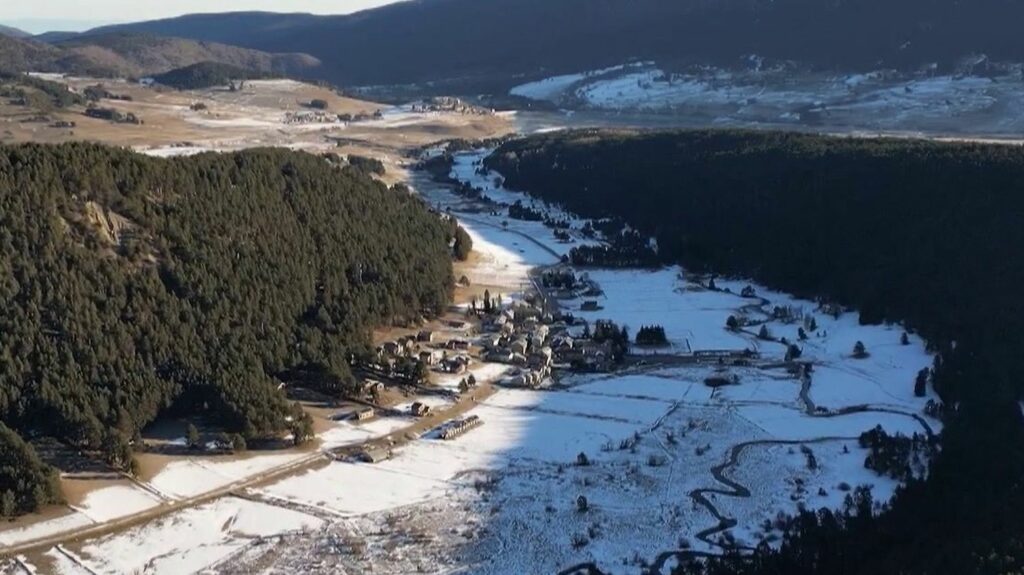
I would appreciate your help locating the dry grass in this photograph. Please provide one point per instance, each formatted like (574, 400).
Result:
(250, 117)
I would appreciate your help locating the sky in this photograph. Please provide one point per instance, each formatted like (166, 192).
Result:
(39, 16)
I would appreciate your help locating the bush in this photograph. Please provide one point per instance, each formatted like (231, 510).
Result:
(367, 165)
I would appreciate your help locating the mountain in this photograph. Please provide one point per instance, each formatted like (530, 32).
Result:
(236, 28)
(56, 36)
(490, 41)
(146, 54)
(20, 55)
(13, 32)
(124, 54)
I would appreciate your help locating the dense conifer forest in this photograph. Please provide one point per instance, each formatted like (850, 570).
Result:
(131, 287)
(924, 233)
(207, 75)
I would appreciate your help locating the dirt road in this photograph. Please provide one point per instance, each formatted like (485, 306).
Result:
(395, 439)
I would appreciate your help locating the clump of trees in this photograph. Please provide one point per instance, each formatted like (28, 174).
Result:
(652, 335)
(204, 75)
(921, 382)
(463, 245)
(617, 337)
(559, 278)
(896, 456)
(367, 165)
(37, 92)
(625, 249)
(26, 483)
(518, 211)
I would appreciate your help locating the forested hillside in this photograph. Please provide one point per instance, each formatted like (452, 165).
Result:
(206, 75)
(926, 233)
(137, 55)
(130, 286)
(490, 44)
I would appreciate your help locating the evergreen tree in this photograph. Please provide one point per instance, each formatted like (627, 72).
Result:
(921, 383)
(192, 439)
(859, 351)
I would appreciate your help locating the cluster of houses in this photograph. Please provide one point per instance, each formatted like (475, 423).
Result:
(450, 104)
(452, 357)
(310, 117)
(526, 337)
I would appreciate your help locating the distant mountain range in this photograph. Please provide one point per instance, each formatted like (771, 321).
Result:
(489, 45)
(493, 41)
(124, 54)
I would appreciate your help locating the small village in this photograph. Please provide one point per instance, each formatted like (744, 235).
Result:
(529, 337)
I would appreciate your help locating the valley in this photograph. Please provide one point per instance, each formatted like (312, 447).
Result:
(704, 468)
(691, 325)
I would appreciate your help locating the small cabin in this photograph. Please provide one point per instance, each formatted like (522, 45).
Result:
(457, 345)
(518, 347)
(371, 387)
(365, 413)
(374, 455)
(430, 358)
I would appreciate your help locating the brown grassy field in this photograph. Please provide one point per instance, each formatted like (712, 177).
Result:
(250, 117)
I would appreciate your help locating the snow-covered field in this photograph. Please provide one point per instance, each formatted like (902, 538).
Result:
(189, 541)
(880, 100)
(692, 321)
(182, 479)
(115, 502)
(553, 87)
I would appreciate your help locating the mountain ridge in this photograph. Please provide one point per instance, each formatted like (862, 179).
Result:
(422, 41)
(13, 32)
(136, 55)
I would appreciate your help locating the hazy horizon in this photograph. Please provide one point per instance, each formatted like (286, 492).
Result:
(76, 16)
